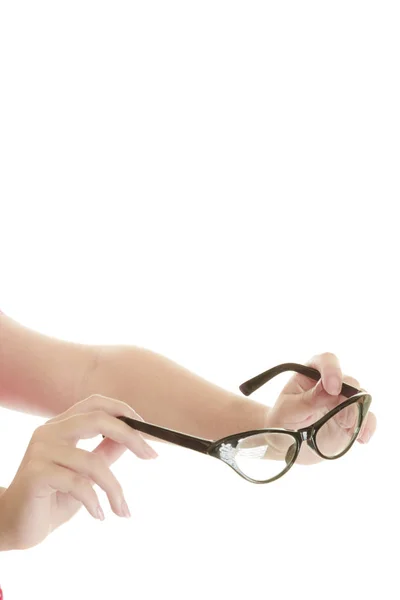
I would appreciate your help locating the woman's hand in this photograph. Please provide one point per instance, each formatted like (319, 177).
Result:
(55, 478)
(303, 401)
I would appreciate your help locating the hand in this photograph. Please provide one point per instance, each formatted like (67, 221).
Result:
(303, 401)
(55, 478)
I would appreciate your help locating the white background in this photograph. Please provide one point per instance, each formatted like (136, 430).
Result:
(219, 182)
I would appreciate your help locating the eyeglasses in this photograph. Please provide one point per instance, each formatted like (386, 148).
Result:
(264, 455)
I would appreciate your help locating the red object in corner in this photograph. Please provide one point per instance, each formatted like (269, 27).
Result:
(1, 594)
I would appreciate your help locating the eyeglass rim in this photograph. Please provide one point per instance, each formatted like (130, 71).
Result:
(297, 433)
(214, 450)
(362, 398)
(204, 445)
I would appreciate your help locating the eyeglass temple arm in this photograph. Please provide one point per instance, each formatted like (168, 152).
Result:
(169, 435)
(253, 384)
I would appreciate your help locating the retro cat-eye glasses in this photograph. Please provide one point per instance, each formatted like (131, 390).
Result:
(264, 455)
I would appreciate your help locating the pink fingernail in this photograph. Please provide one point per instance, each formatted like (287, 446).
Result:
(334, 385)
(100, 513)
(151, 452)
(367, 436)
(125, 509)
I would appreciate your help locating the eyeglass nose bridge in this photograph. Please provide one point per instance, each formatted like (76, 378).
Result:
(307, 435)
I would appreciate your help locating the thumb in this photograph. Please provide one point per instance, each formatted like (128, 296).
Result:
(299, 410)
(317, 397)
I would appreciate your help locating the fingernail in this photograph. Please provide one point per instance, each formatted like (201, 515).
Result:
(366, 436)
(100, 513)
(150, 451)
(125, 509)
(334, 385)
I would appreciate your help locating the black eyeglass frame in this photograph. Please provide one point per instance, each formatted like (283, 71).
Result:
(221, 448)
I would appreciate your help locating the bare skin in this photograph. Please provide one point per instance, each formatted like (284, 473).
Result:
(84, 387)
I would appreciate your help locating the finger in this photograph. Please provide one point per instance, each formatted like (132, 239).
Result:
(348, 417)
(331, 373)
(97, 403)
(91, 465)
(299, 409)
(88, 425)
(352, 381)
(317, 397)
(368, 428)
(109, 450)
(44, 478)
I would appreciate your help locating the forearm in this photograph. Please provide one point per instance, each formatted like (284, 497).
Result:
(40, 374)
(44, 376)
(167, 394)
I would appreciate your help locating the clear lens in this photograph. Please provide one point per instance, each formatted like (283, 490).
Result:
(265, 455)
(337, 434)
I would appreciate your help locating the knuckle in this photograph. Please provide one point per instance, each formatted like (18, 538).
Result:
(96, 398)
(131, 412)
(352, 381)
(125, 408)
(93, 397)
(80, 483)
(39, 431)
(97, 417)
(37, 448)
